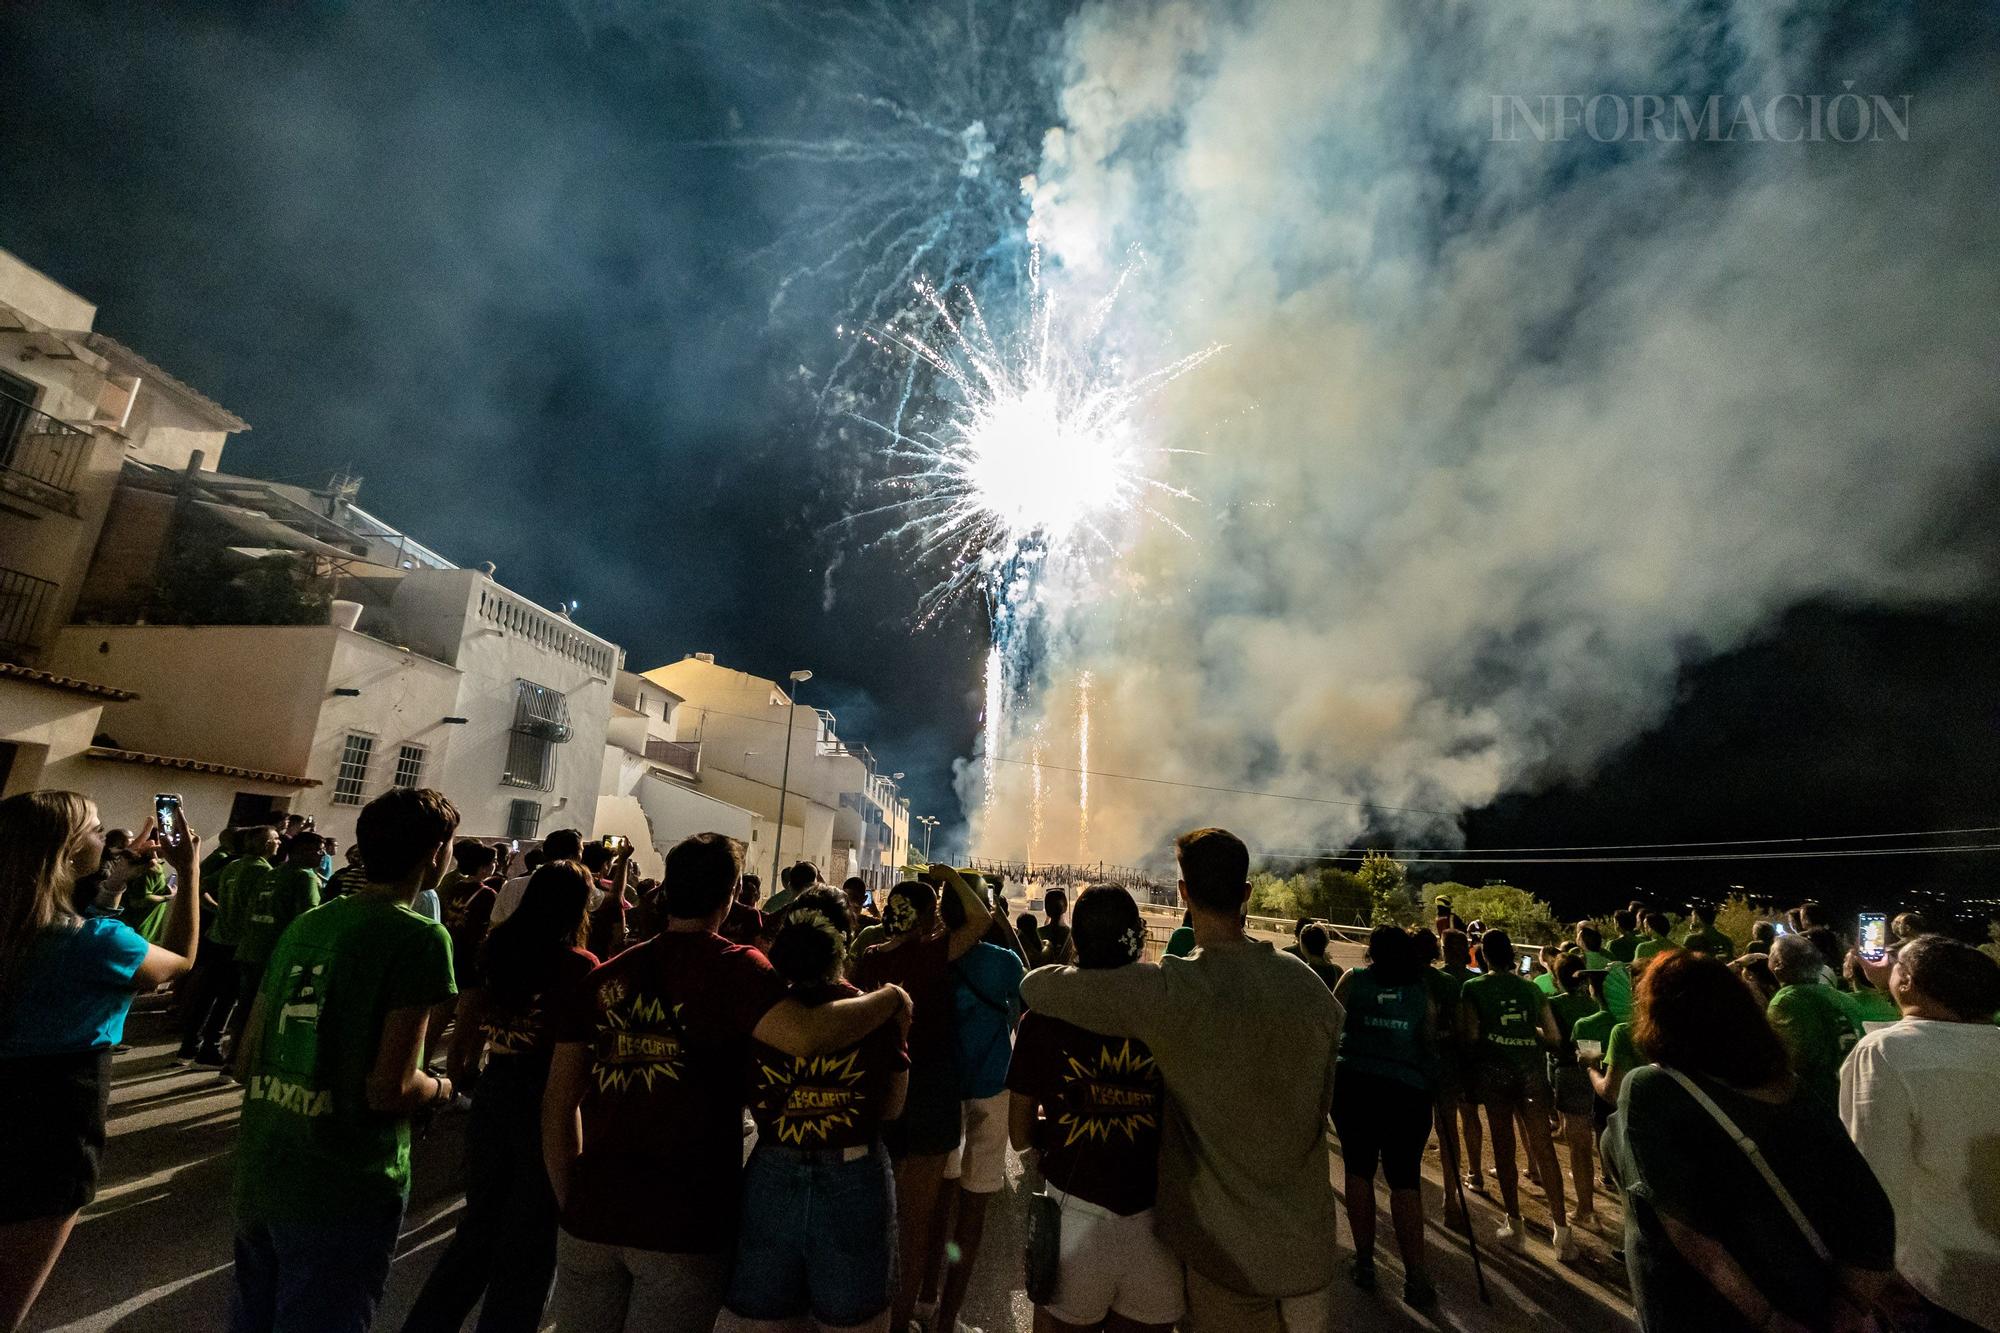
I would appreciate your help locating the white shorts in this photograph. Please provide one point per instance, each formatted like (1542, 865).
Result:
(979, 1162)
(1112, 1264)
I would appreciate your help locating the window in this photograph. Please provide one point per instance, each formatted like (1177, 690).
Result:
(409, 766)
(541, 722)
(523, 818)
(352, 779)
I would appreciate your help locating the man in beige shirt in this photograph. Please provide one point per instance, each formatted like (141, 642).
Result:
(1245, 1037)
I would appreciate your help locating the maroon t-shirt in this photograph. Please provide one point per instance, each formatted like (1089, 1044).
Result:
(825, 1101)
(1101, 1099)
(468, 911)
(923, 968)
(744, 924)
(519, 1025)
(668, 1024)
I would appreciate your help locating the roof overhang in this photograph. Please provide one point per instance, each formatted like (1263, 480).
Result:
(70, 684)
(118, 756)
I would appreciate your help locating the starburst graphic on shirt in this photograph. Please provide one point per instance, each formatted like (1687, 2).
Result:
(638, 1042)
(1117, 1093)
(812, 1095)
(518, 1031)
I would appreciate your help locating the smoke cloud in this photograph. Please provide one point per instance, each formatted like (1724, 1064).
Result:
(1507, 433)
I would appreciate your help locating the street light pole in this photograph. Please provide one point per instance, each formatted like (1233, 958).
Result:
(798, 678)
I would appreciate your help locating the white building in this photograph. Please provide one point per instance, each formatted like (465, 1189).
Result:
(164, 625)
(654, 791)
(76, 409)
(838, 811)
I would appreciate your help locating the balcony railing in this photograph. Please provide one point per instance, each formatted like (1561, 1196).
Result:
(37, 446)
(684, 755)
(23, 597)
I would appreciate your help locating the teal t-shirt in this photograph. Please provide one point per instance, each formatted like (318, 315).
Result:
(1181, 943)
(1387, 1030)
(71, 989)
(1509, 1009)
(309, 1148)
(1820, 1026)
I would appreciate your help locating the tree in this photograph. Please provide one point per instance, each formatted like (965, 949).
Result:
(1387, 880)
(1525, 918)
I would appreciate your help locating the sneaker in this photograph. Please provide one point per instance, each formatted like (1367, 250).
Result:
(1477, 1184)
(1513, 1233)
(1363, 1272)
(1418, 1293)
(1565, 1243)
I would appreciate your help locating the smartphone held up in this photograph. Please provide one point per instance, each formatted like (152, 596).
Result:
(169, 827)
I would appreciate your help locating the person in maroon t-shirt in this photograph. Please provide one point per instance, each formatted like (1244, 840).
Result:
(641, 1124)
(745, 924)
(918, 957)
(818, 1236)
(504, 1250)
(1088, 1108)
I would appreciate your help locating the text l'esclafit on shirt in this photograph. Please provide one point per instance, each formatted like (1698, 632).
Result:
(831, 1101)
(668, 1026)
(1100, 1138)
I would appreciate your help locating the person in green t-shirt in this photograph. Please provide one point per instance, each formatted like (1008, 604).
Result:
(1576, 1101)
(331, 1072)
(1591, 941)
(1507, 1026)
(1820, 1025)
(1545, 977)
(1657, 938)
(1705, 938)
(1621, 946)
(1181, 943)
(270, 901)
(215, 991)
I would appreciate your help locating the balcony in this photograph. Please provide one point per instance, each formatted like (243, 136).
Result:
(40, 456)
(22, 600)
(681, 756)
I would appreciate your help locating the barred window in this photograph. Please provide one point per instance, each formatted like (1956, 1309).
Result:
(541, 723)
(351, 781)
(524, 818)
(410, 766)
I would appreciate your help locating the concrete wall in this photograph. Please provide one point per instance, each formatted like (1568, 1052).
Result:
(41, 298)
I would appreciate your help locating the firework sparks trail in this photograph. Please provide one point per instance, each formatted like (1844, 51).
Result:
(993, 721)
(1039, 453)
(1083, 767)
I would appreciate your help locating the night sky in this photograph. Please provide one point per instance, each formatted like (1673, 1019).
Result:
(495, 263)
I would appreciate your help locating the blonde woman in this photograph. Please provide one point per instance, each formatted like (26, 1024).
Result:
(66, 983)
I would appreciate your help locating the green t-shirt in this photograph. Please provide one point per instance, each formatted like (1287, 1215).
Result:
(1594, 1027)
(1571, 1008)
(233, 891)
(1650, 946)
(1875, 1007)
(1545, 982)
(281, 895)
(1621, 1051)
(1710, 941)
(1509, 1009)
(1820, 1026)
(1181, 943)
(1620, 947)
(308, 1148)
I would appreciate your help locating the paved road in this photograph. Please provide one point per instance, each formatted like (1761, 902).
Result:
(153, 1252)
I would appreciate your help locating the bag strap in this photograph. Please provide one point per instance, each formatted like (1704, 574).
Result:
(1750, 1150)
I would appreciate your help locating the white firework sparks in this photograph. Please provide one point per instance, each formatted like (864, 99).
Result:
(1040, 451)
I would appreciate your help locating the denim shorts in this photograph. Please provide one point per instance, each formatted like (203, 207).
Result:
(818, 1236)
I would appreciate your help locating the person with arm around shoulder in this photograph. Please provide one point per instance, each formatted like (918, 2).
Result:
(1246, 1196)
(66, 985)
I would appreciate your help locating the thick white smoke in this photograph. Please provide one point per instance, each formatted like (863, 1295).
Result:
(1507, 432)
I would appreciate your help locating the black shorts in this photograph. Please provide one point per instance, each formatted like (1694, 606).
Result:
(1381, 1119)
(52, 1114)
(931, 1121)
(1511, 1086)
(1574, 1095)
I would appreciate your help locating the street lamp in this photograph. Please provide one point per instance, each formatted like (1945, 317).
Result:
(928, 824)
(798, 678)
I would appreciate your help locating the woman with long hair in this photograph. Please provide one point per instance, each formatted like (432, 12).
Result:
(816, 1246)
(1029, 932)
(66, 984)
(1747, 1206)
(505, 1246)
(1384, 1088)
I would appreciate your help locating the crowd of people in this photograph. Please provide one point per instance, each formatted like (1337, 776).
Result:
(690, 1106)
